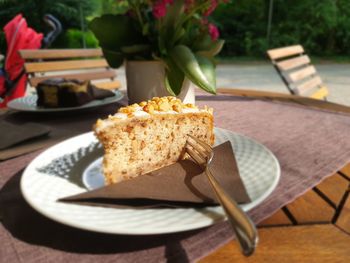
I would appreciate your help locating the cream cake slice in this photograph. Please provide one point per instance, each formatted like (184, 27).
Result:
(143, 137)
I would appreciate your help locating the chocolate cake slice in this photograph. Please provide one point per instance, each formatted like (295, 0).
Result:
(59, 92)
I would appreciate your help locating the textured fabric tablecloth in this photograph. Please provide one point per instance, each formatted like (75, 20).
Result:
(309, 144)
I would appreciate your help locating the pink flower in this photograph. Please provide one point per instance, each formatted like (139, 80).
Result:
(213, 5)
(213, 31)
(159, 8)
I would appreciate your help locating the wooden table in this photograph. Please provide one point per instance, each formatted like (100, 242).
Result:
(313, 228)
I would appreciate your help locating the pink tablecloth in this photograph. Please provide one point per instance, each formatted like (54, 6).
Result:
(309, 144)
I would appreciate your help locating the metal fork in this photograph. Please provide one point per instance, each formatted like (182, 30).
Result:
(242, 225)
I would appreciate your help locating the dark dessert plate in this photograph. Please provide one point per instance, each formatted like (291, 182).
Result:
(28, 104)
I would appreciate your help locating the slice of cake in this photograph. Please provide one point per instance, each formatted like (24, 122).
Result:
(147, 136)
(59, 92)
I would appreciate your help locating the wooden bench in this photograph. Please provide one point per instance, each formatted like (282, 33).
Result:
(297, 72)
(81, 64)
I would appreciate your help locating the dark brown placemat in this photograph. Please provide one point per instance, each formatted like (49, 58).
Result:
(63, 125)
(310, 145)
(15, 134)
(55, 136)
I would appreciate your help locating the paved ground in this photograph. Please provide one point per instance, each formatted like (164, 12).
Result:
(262, 76)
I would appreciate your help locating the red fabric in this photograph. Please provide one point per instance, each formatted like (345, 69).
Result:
(18, 36)
(17, 93)
(2, 84)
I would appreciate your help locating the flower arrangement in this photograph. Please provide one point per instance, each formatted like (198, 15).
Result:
(177, 32)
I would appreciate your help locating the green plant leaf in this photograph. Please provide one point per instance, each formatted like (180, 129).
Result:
(203, 42)
(208, 68)
(213, 49)
(114, 59)
(134, 48)
(118, 38)
(145, 29)
(180, 32)
(187, 62)
(171, 29)
(173, 14)
(174, 78)
(191, 33)
(115, 31)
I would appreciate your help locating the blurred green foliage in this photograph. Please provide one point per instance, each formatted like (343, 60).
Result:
(322, 27)
(74, 38)
(67, 11)
(112, 6)
(71, 13)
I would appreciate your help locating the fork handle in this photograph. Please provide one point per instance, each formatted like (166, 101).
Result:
(242, 225)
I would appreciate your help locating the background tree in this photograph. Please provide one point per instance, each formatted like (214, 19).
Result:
(322, 27)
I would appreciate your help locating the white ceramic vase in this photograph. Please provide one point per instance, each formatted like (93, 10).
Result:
(145, 80)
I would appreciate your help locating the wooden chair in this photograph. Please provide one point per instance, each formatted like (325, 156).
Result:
(81, 64)
(296, 71)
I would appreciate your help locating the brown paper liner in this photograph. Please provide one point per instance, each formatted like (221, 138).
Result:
(182, 184)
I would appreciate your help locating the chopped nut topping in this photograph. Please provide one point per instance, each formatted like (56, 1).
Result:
(190, 105)
(135, 105)
(177, 107)
(149, 108)
(99, 122)
(127, 110)
(113, 118)
(162, 104)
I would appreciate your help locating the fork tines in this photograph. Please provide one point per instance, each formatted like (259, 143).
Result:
(200, 151)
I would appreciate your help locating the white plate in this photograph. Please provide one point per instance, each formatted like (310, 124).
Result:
(28, 103)
(50, 176)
